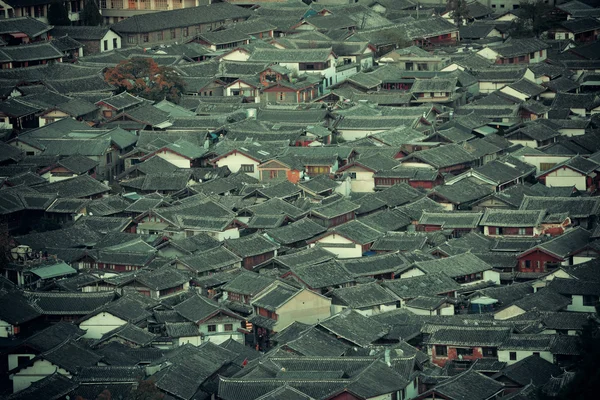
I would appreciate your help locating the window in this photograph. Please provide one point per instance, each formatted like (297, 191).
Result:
(102, 4)
(521, 58)
(186, 31)
(546, 166)
(489, 352)
(461, 351)
(522, 231)
(590, 300)
(247, 168)
(512, 355)
(526, 264)
(281, 96)
(117, 4)
(352, 175)
(173, 34)
(161, 4)
(115, 43)
(228, 327)
(441, 351)
(160, 36)
(22, 360)
(145, 38)
(131, 39)
(536, 353)
(107, 113)
(212, 328)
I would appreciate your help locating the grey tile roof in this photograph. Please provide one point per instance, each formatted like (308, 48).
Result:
(564, 245)
(334, 209)
(303, 229)
(455, 266)
(374, 265)
(71, 355)
(30, 52)
(451, 220)
(313, 342)
(275, 297)
(213, 259)
(534, 342)
(248, 283)
(512, 218)
(198, 308)
(385, 221)
(363, 296)
(15, 308)
(570, 287)
(470, 385)
(462, 192)
(290, 56)
(180, 18)
(310, 256)
(399, 241)
(543, 300)
(249, 246)
(467, 335)
(130, 333)
(78, 187)
(54, 386)
(68, 303)
(322, 275)
(355, 328)
(442, 156)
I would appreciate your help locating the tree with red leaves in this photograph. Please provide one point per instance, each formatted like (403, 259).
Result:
(145, 78)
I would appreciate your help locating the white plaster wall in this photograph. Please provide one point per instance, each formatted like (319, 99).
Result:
(110, 35)
(99, 324)
(491, 276)
(508, 312)
(572, 132)
(39, 370)
(538, 160)
(306, 307)
(351, 134)
(565, 177)
(526, 143)
(193, 340)
(5, 329)
(341, 252)
(411, 273)
(580, 260)
(175, 159)
(236, 55)
(234, 163)
(504, 355)
(223, 337)
(577, 305)
(512, 92)
(364, 181)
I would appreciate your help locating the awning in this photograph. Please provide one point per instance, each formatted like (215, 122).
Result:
(53, 271)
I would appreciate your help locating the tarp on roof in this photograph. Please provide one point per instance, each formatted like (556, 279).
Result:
(53, 271)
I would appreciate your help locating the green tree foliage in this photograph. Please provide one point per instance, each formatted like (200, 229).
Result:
(91, 14)
(535, 18)
(58, 14)
(460, 11)
(147, 390)
(105, 395)
(144, 77)
(586, 383)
